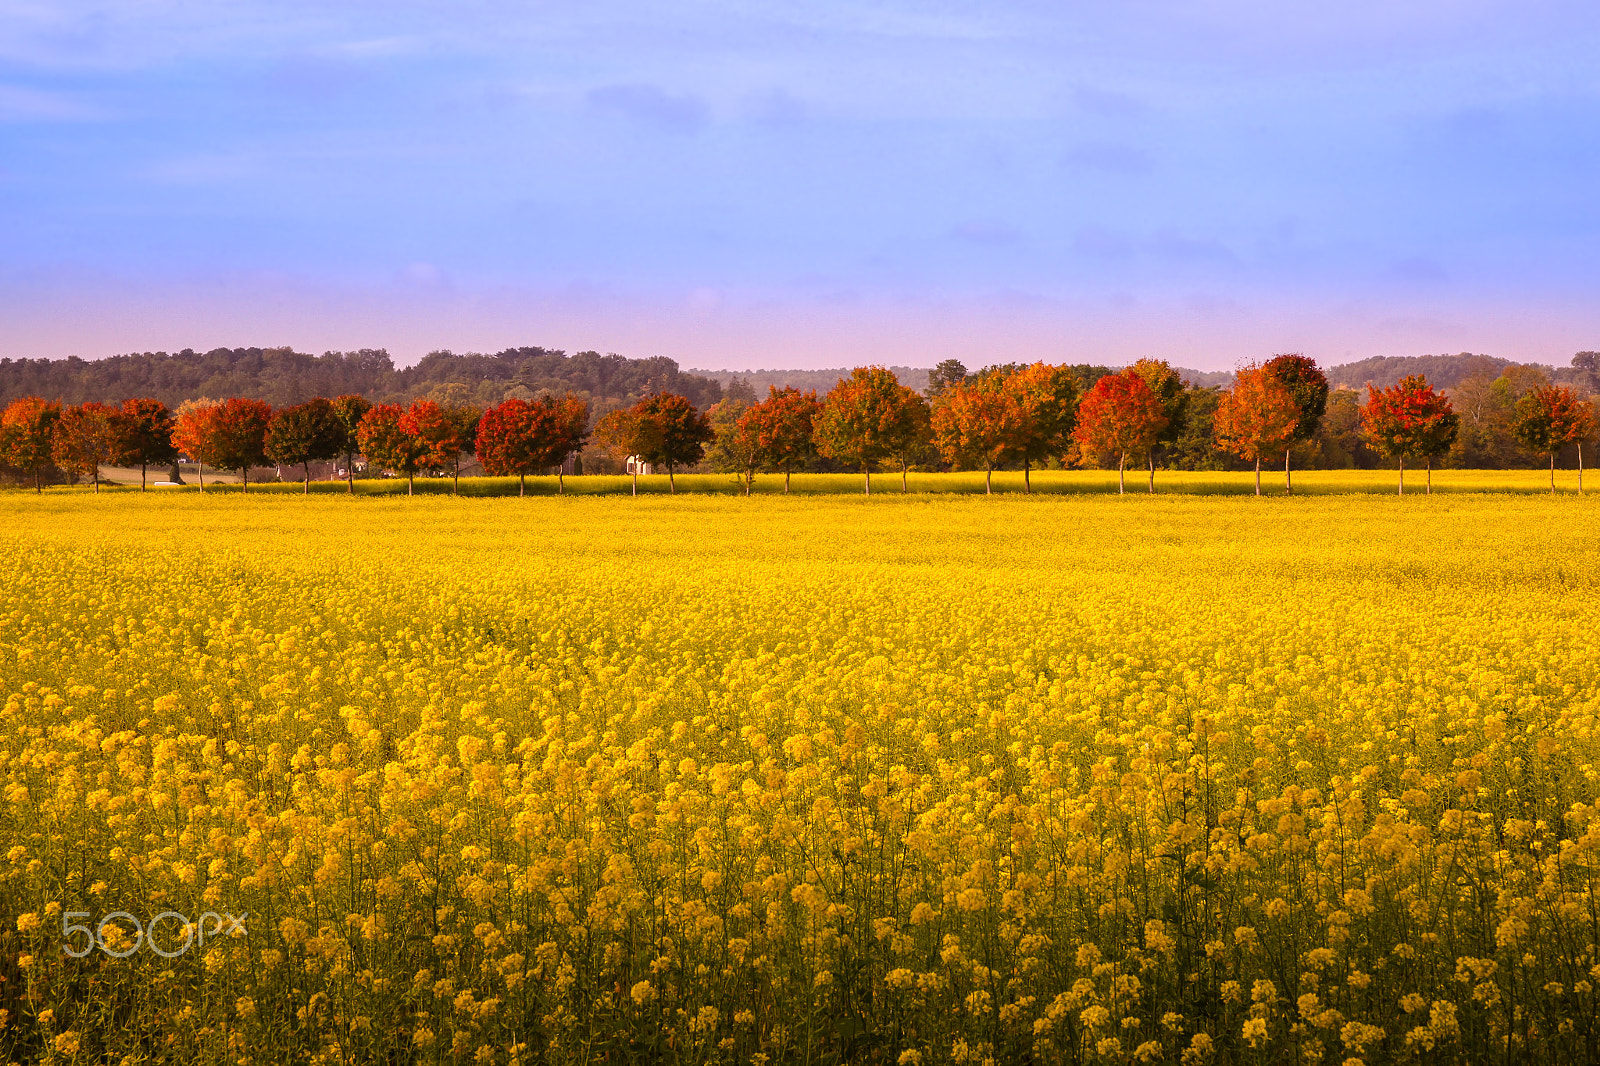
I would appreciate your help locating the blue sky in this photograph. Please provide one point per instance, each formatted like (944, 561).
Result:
(803, 184)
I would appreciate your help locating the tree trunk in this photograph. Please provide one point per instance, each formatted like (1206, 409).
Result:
(455, 479)
(1152, 473)
(1552, 472)
(1122, 485)
(1258, 475)
(1580, 468)
(636, 479)
(97, 481)
(350, 472)
(904, 466)
(866, 470)
(175, 475)
(1429, 491)
(522, 484)
(988, 480)
(202, 468)
(561, 480)
(1288, 483)
(306, 466)
(411, 486)
(672, 484)
(1402, 489)
(141, 477)
(244, 479)
(786, 482)
(1027, 483)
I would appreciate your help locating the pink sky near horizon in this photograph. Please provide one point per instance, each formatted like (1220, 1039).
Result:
(719, 330)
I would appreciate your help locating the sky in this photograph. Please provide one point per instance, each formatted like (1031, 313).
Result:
(803, 184)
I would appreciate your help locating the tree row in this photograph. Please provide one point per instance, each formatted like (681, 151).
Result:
(1029, 416)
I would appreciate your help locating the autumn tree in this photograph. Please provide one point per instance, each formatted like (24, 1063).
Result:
(241, 436)
(83, 439)
(865, 418)
(1120, 416)
(678, 433)
(510, 441)
(910, 433)
(782, 430)
(194, 433)
(1548, 419)
(386, 443)
(306, 433)
(627, 434)
(447, 431)
(27, 434)
(523, 437)
(979, 425)
(1409, 419)
(1173, 395)
(144, 436)
(350, 409)
(1308, 387)
(1256, 419)
(1048, 399)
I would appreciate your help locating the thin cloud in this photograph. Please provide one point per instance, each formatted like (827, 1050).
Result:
(21, 104)
(650, 105)
(1111, 157)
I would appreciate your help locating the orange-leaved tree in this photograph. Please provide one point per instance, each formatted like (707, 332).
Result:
(1120, 416)
(386, 444)
(866, 418)
(1308, 386)
(1173, 395)
(27, 430)
(84, 439)
(1409, 419)
(1048, 397)
(669, 432)
(144, 436)
(1550, 418)
(1256, 419)
(628, 435)
(782, 430)
(241, 436)
(194, 433)
(305, 433)
(446, 431)
(350, 409)
(979, 423)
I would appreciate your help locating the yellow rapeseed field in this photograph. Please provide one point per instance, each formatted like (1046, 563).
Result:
(1069, 779)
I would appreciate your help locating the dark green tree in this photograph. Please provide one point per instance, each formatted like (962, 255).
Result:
(306, 433)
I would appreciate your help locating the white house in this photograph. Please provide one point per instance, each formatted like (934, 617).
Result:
(636, 465)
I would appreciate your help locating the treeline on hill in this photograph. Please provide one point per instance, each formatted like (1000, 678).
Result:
(283, 377)
(1145, 416)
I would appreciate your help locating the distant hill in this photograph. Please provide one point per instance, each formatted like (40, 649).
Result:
(283, 376)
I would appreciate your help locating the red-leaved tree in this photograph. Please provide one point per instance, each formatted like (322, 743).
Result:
(1257, 418)
(386, 444)
(27, 431)
(1120, 416)
(1548, 419)
(144, 436)
(523, 437)
(1409, 419)
(446, 432)
(240, 440)
(84, 439)
(1308, 386)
